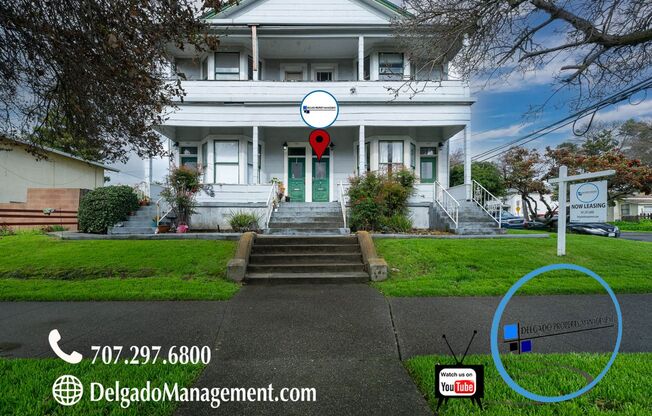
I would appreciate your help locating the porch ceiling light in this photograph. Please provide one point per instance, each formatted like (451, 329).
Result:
(285, 145)
(331, 146)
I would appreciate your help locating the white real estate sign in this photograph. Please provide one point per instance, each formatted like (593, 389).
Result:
(588, 202)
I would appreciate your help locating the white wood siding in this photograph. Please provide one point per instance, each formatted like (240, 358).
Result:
(307, 11)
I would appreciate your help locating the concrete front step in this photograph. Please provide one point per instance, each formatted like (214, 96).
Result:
(288, 268)
(305, 258)
(291, 278)
(293, 249)
(307, 240)
(307, 231)
(306, 218)
(132, 230)
(306, 225)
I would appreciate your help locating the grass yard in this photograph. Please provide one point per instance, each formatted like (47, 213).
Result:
(643, 225)
(38, 267)
(26, 386)
(623, 391)
(488, 267)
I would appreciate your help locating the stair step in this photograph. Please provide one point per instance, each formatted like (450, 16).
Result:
(305, 258)
(286, 268)
(306, 218)
(307, 231)
(305, 240)
(305, 249)
(292, 278)
(306, 225)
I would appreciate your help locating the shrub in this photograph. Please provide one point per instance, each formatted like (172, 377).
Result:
(53, 228)
(180, 191)
(641, 225)
(397, 223)
(6, 230)
(103, 207)
(242, 221)
(379, 201)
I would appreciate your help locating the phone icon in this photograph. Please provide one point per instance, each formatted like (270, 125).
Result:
(54, 338)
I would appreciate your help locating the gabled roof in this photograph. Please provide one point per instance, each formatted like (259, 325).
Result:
(386, 7)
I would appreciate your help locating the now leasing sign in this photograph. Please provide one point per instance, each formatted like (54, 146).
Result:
(588, 202)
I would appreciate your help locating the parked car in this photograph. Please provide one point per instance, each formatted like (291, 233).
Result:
(597, 228)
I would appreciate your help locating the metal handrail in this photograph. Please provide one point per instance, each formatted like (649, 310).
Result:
(489, 203)
(446, 201)
(271, 203)
(160, 217)
(343, 202)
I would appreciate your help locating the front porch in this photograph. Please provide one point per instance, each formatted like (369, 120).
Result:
(242, 163)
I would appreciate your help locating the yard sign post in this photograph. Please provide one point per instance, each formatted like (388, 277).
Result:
(563, 180)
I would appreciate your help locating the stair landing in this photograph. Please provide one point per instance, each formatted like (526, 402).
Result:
(307, 218)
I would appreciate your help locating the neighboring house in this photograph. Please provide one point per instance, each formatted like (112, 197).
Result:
(20, 170)
(633, 206)
(240, 118)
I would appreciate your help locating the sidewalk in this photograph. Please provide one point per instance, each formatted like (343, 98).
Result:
(347, 341)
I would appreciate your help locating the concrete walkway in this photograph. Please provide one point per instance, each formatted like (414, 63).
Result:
(347, 341)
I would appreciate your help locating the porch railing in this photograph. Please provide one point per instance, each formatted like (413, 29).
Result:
(342, 199)
(446, 202)
(271, 203)
(491, 204)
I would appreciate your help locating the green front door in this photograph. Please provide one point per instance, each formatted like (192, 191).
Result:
(428, 169)
(297, 179)
(320, 182)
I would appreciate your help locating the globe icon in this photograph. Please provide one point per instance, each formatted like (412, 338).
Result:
(67, 390)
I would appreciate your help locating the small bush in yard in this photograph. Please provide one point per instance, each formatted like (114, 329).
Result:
(379, 201)
(6, 230)
(104, 207)
(242, 221)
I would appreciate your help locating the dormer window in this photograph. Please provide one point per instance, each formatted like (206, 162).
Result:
(390, 66)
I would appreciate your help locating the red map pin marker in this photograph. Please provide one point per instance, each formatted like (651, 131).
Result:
(319, 140)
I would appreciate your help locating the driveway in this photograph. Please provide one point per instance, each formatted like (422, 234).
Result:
(640, 236)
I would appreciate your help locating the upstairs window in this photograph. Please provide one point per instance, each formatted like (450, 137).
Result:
(390, 66)
(227, 66)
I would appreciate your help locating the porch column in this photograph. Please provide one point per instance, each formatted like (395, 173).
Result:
(254, 51)
(467, 161)
(362, 157)
(254, 137)
(361, 59)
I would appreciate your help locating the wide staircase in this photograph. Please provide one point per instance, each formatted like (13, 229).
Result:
(306, 259)
(307, 218)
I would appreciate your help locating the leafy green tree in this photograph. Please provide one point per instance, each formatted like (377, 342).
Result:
(488, 174)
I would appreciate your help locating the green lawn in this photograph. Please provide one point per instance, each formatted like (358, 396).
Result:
(26, 386)
(444, 267)
(625, 390)
(37, 267)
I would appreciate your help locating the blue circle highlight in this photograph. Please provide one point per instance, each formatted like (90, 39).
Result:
(496, 324)
(579, 189)
(337, 114)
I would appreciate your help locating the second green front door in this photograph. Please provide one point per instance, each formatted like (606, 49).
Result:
(320, 181)
(297, 179)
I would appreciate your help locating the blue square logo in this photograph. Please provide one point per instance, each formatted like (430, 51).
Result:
(510, 332)
(526, 346)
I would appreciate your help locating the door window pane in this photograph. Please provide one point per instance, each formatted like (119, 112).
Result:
(427, 170)
(227, 66)
(320, 170)
(390, 66)
(296, 170)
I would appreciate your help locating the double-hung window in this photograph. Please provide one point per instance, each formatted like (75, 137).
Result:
(390, 66)
(227, 161)
(227, 66)
(390, 155)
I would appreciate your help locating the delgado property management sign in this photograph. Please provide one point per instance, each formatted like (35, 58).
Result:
(588, 202)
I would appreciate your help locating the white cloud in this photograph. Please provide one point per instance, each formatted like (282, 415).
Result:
(502, 132)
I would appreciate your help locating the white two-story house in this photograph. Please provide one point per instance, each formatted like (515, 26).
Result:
(240, 119)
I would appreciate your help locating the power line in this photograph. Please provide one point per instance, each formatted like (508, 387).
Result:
(571, 119)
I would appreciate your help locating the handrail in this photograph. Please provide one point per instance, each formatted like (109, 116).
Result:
(488, 202)
(446, 201)
(160, 217)
(342, 202)
(271, 203)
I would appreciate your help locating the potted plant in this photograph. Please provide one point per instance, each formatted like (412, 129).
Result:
(180, 191)
(162, 228)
